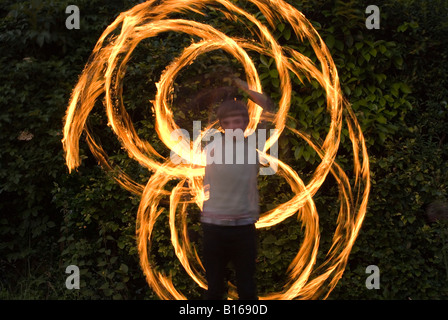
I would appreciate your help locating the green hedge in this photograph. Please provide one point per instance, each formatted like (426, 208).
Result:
(394, 77)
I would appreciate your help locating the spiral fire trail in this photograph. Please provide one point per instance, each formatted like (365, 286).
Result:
(103, 77)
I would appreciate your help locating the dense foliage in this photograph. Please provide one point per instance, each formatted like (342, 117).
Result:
(394, 77)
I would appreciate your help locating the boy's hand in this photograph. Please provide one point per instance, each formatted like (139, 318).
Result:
(259, 98)
(228, 80)
(240, 84)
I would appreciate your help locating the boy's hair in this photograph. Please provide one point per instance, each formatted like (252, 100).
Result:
(230, 108)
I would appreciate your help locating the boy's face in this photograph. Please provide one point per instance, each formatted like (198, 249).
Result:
(233, 122)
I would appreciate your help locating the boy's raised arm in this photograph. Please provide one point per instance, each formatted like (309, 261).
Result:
(259, 98)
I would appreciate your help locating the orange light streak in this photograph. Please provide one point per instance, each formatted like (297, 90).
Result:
(103, 75)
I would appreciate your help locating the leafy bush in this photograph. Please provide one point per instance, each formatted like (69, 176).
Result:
(395, 79)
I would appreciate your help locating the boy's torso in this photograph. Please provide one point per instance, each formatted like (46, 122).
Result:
(230, 185)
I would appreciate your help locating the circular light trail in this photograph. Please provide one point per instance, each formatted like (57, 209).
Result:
(103, 76)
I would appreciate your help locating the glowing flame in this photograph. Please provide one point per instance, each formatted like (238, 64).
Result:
(103, 75)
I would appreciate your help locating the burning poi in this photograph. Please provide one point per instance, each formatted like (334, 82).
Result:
(103, 76)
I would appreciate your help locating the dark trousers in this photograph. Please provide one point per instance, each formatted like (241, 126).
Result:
(230, 244)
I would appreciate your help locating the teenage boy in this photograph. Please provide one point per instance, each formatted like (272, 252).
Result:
(231, 207)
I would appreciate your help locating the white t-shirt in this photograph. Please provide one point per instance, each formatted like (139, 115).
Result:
(230, 181)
